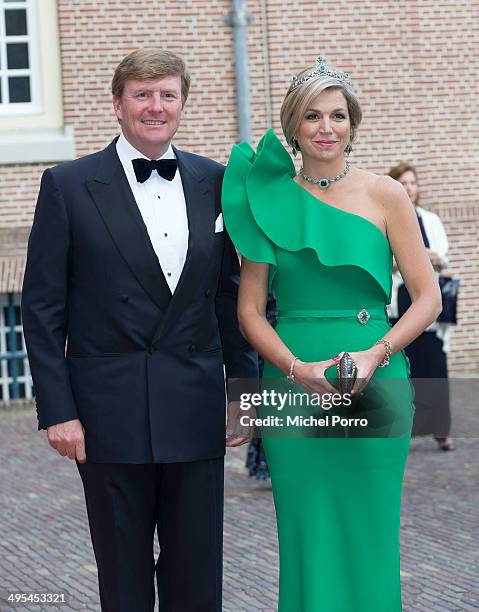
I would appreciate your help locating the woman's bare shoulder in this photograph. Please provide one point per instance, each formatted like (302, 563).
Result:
(391, 192)
(381, 188)
(385, 191)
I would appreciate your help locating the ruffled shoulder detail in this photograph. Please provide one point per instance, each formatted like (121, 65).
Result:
(242, 227)
(278, 210)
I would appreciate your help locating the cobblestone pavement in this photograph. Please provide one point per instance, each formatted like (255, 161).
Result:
(45, 543)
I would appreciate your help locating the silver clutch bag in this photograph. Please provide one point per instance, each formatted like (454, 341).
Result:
(347, 371)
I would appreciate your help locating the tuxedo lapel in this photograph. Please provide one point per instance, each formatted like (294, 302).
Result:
(115, 202)
(201, 216)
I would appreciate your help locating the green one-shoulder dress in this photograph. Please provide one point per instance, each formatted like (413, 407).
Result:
(337, 497)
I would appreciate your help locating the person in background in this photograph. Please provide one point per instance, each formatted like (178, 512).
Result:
(428, 352)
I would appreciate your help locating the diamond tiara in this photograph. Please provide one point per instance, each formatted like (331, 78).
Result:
(321, 70)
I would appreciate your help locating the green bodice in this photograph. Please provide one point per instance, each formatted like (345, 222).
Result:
(319, 255)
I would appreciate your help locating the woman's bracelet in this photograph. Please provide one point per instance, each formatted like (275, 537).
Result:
(290, 376)
(389, 350)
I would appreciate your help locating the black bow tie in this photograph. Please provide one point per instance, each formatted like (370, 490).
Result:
(144, 167)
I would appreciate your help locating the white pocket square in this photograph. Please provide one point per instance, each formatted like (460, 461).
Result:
(219, 225)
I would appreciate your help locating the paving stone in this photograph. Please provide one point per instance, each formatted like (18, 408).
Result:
(46, 546)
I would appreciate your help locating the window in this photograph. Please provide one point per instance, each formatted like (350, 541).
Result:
(19, 70)
(15, 380)
(32, 128)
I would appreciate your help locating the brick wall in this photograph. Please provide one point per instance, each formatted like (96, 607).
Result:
(413, 62)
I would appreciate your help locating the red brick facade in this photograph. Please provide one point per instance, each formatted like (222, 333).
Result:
(414, 64)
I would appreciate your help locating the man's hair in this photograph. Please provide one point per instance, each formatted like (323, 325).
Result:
(150, 65)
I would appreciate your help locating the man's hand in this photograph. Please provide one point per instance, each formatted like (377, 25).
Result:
(68, 439)
(236, 433)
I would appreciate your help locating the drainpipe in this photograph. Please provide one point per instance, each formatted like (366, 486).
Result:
(239, 21)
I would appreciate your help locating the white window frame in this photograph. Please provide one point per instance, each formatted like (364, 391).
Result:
(35, 105)
(39, 134)
(5, 378)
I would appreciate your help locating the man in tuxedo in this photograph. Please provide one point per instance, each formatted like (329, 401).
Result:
(129, 313)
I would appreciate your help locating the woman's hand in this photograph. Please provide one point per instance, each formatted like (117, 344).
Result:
(310, 375)
(366, 362)
(436, 260)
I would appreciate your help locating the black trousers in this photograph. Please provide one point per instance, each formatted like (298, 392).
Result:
(429, 376)
(183, 502)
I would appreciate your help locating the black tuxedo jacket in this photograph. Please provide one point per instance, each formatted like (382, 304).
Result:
(107, 342)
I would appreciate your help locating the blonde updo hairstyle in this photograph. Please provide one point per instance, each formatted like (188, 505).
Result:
(297, 100)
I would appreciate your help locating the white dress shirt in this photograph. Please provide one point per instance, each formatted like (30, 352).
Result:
(163, 208)
(437, 237)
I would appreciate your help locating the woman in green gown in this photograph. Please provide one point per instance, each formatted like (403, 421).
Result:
(325, 247)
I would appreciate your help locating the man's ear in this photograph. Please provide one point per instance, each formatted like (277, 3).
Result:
(116, 101)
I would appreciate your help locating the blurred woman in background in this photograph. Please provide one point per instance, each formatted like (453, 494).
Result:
(428, 352)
